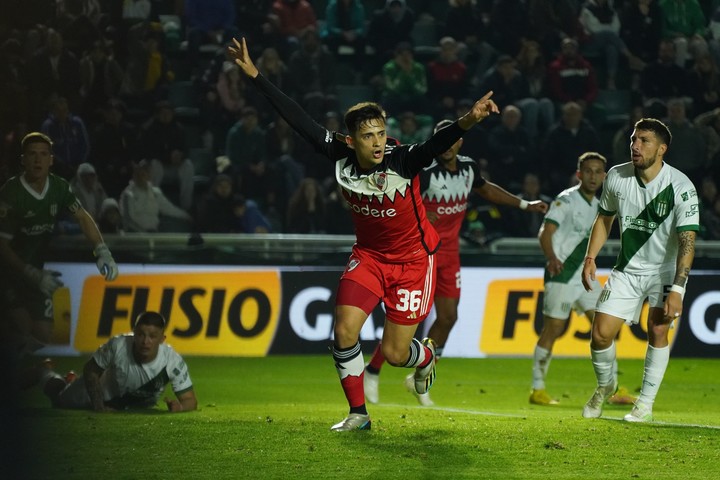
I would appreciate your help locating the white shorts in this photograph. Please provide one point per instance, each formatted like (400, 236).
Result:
(561, 298)
(624, 294)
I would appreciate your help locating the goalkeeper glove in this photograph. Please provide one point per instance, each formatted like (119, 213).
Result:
(47, 281)
(105, 262)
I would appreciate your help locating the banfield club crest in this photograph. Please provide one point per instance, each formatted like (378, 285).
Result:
(661, 208)
(381, 181)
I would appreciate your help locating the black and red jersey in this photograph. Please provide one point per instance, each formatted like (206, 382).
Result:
(446, 193)
(385, 202)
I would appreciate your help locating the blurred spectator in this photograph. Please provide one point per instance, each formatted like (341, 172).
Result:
(661, 80)
(88, 190)
(551, 21)
(114, 148)
(684, 22)
(410, 128)
(101, 77)
(688, 152)
(253, 17)
(511, 150)
(246, 149)
(641, 29)
(464, 22)
(345, 26)
(311, 71)
(571, 77)
(564, 143)
(527, 224)
(249, 218)
(162, 134)
(621, 142)
(405, 83)
(147, 71)
(285, 154)
(508, 27)
(77, 20)
(448, 78)
(110, 219)
(175, 177)
(71, 145)
(142, 204)
(306, 209)
(209, 22)
(290, 18)
(714, 32)
(709, 210)
(13, 84)
(231, 99)
(708, 124)
(338, 217)
(389, 27)
(509, 87)
(704, 84)
(222, 211)
(53, 71)
(531, 64)
(601, 25)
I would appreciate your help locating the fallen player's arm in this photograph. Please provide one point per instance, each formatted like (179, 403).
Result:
(185, 402)
(91, 374)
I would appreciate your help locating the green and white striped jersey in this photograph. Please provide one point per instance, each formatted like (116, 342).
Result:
(574, 216)
(27, 218)
(650, 216)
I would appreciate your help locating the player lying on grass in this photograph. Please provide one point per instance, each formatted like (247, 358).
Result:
(129, 371)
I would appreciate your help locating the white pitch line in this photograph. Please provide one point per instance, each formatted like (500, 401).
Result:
(515, 415)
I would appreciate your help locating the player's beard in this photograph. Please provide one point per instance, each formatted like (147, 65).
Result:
(646, 162)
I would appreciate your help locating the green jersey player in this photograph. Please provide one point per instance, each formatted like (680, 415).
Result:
(29, 206)
(657, 210)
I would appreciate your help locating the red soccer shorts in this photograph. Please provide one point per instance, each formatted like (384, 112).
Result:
(406, 289)
(448, 274)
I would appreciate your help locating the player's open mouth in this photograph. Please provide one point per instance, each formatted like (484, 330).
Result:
(377, 154)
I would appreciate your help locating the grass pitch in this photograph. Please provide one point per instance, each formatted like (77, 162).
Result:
(269, 418)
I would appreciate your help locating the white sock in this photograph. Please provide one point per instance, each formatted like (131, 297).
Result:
(541, 361)
(615, 372)
(656, 361)
(602, 361)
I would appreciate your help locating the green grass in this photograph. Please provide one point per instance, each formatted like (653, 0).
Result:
(269, 418)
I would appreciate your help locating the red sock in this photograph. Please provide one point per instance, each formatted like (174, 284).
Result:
(428, 357)
(377, 360)
(353, 388)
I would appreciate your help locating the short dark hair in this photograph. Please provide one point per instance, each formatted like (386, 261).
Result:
(657, 127)
(590, 156)
(153, 319)
(36, 137)
(362, 113)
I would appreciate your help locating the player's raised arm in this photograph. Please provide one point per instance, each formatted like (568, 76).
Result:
(482, 109)
(242, 58)
(293, 113)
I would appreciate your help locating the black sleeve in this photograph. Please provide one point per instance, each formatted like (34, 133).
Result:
(320, 138)
(421, 155)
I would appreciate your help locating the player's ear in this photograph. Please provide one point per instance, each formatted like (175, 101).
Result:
(663, 149)
(349, 141)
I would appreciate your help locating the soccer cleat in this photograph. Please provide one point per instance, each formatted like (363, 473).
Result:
(541, 397)
(354, 421)
(622, 397)
(425, 376)
(422, 398)
(371, 385)
(593, 407)
(640, 413)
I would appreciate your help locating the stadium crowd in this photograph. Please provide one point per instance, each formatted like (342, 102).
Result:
(158, 130)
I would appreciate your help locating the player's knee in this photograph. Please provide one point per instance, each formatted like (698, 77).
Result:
(394, 357)
(600, 340)
(345, 335)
